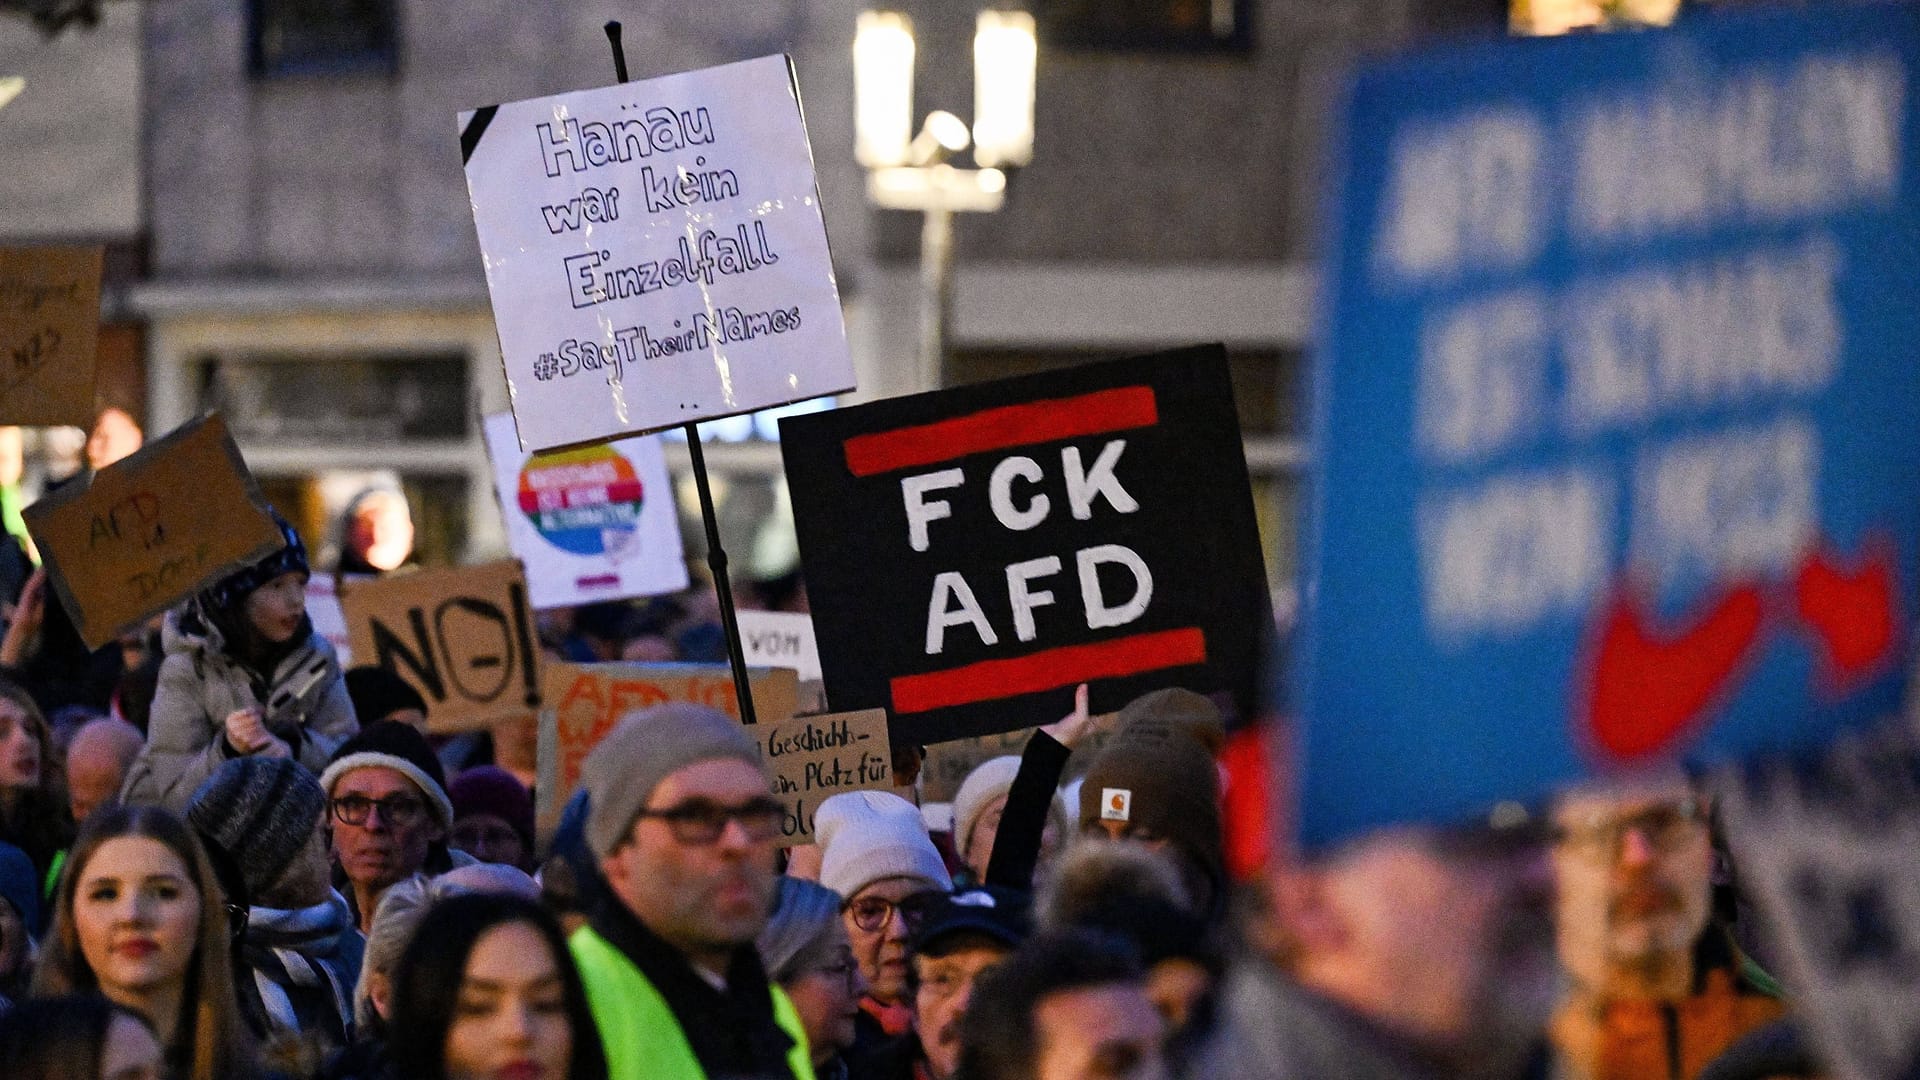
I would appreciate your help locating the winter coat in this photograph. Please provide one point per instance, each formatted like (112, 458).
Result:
(305, 703)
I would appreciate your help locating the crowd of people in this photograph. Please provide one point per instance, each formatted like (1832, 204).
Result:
(221, 855)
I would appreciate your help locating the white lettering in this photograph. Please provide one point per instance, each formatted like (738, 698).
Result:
(1100, 614)
(1084, 484)
(1000, 494)
(1502, 556)
(921, 510)
(1024, 600)
(949, 584)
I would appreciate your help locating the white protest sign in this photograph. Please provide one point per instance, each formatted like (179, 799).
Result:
(591, 523)
(655, 253)
(329, 620)
(780, 639)
(1826, 846)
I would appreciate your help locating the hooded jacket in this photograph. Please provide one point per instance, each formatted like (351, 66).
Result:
(304, 702)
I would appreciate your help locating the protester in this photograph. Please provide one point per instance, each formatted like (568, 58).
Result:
(1019, 848)
(1657, 988)
(390, 814)
(98, 759)
(486, 989)
(1416, 952)
(378, 694)
(1069, 1005)
(33, 811)
(299, 954)
(116, 435)
(874, 851)
(139, 919)
(376, 533)
(964, 936)
(977, 810)
(492, 816)
(245, 673)
(78, 1037)
(681, 815)
(1155, 783)
(19, 913)
(805, 950)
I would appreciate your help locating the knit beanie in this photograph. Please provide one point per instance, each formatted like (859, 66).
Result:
(390, 744)
(988, 781)
(19, 885)
(865, 836)
(490, 789)
(227, 594)
(378, 693)
(804, 913)
(259, 812)
(646, 747)
(1158, 773)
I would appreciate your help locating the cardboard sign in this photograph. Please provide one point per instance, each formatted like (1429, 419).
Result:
(816, 757)
(949, 763)
(780, 639)
(655, 253)
(585, 701)
(589, 524)
(151, 529)
(464, 638)
(49, 320)
(1826, 846)
(972, 554)
(1620, 423)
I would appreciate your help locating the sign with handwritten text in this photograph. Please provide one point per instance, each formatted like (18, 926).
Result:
(815, 757)
(49, 322)
(151, 529)
(1620, 424)
(464, 638)
(655, 253)
(780, 639)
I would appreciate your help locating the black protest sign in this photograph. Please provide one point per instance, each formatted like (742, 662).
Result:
(464, 638)
(1826, 847)
(972, 554)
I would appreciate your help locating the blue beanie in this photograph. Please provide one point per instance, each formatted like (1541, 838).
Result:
(20, 884)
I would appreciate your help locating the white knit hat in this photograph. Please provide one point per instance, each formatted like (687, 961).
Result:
(865, 836)
(988, 781)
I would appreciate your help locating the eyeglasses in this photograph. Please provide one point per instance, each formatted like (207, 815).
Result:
(398, 811)
(475, 837)
(702, 821)
(870, 913)
(1664, 827)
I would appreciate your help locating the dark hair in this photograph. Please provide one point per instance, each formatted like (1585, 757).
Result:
(426, 983)
(59, 1038)
(997, 1039)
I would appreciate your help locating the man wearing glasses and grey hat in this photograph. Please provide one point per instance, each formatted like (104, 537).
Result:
(682, 820)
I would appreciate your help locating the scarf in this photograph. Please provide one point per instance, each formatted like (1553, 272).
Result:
(299, 948)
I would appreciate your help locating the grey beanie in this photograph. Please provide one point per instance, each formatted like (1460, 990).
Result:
(646, 747)
(804, 914)
(260, 812)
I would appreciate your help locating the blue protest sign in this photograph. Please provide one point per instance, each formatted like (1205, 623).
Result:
(1617, 428)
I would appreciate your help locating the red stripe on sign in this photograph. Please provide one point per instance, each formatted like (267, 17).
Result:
(1049, 669)
(998, 429)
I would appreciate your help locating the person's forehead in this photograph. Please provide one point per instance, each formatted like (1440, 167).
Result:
(726, 780)
(11, 710)
(1584, 806)
(972, 956)
(374, 782)
(894, 889)
(1099, 1012)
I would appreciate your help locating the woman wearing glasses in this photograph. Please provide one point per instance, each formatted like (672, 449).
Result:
(806, 950)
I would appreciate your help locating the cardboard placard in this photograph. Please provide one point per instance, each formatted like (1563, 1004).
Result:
(464, 638)
(816, 757)
(1826, 847)
(589, 524)
(655, 253)
(49, 324)
(949, 763)
(151, 529)
(1619, 424)
(972, 554)
(780, 639)
(584, 701)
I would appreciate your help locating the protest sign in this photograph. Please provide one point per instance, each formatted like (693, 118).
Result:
(464, 638)
(49, 320)
(591, 523)
(328, 618)
(1617, 436)
(815, 757)
(151, 529)
(780, 639)
(1826, 847)
(584, 701)
(972, 554)
(948, 763)
(655, 253)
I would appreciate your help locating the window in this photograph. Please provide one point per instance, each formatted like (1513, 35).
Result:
(322, 37)
(1146, 25)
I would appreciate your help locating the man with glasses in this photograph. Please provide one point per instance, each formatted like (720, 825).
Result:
(963, 937)
(389, 814)
(1658, 990)
(681, 817)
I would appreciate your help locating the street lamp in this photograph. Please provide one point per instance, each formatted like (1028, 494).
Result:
(909, 171)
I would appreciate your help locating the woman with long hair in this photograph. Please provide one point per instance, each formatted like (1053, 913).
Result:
(33, 806)
(139, 918)
(77, 1038)
(486, 988)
